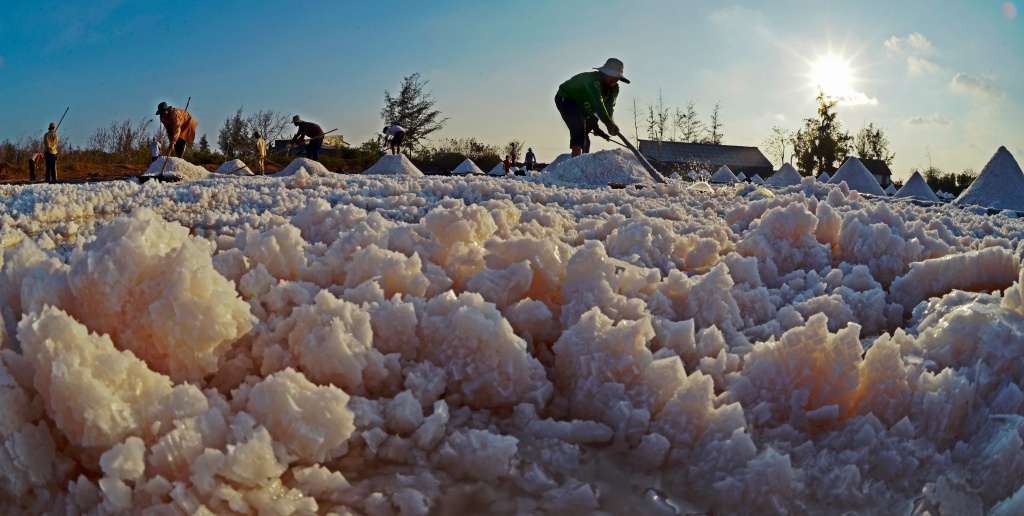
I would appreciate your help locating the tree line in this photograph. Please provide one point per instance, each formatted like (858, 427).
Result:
(667, 124)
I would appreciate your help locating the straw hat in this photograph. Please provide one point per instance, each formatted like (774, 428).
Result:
(613, 68)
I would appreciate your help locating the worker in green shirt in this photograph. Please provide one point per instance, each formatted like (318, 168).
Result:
(586, 98)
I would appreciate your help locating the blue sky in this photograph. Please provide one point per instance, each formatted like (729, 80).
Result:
(941, 77)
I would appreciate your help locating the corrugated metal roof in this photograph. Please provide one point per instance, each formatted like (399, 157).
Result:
(679, 152)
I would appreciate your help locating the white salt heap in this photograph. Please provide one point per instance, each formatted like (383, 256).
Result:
(785, 176)
(724, 175)
(598, 169)
(857, 177)
(176, 168)
(467, 167)
(741, 176)
(824, 177)
(1000, 185)
(498, 170)
(303, 167)
(562, 158)
(890, 190)
(756, 179)
(234, 167)
(394, 165)
(322, 343)
(917, 187)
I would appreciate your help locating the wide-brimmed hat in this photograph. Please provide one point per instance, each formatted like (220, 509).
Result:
(161, 108)
(53, 126)
(296, 119)
(613, 68)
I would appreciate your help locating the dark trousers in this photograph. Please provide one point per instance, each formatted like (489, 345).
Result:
(179, 148)
(31, 169)
(313, 149)
(579, 129)
(154, 159)
(51, 168)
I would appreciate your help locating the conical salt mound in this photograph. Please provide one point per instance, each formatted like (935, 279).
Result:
(724, 175)
(394, 165)
(757, 180)
(857, 177)
(918, 188)
(235, 167)
(499, 170)
(741, 176)
(823, 177)
(562, 158)
(1000, 185)
(467, 167)
(786, 176)
(890, 190)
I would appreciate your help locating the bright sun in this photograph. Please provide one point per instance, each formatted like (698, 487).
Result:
(833, 75)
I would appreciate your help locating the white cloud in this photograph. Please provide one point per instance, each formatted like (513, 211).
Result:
(964, 83)
(856, 98)
(914, 43)
(736, 14)
(933, 119)
(921, 66)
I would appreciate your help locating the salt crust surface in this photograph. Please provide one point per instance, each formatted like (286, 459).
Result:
(378, 345)
(917, 187)
(1000, 185)
(234, 167)
(857, 177)
(597, 170)
(394, 165)
(176, 168)
(724, 175)
(467, 167)
(785, 176)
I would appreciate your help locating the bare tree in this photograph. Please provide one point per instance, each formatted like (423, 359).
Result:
(715, 136)
(657, 119)
(689, 128)
(776, 144)
(636, 121)
(123, 139)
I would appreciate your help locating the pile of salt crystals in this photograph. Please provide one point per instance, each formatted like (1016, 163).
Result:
(498, 170)
(235, 167)
(1000, 185)
(394, 165)
(598, 169)
(176, 168)
(562, 158)
(917, 187)
(857, 177)
(467, 167)
(724, 175)
(310, 167)
(786, 176)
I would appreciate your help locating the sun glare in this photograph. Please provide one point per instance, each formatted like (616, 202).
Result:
(833, 76)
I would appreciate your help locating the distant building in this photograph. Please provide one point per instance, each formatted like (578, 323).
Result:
(879, 170)
(703, 156)
(332, 146)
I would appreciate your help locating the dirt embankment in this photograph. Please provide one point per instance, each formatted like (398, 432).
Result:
(79, 172)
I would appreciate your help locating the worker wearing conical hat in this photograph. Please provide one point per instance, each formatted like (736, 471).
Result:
(586, 98)
(180, 126)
